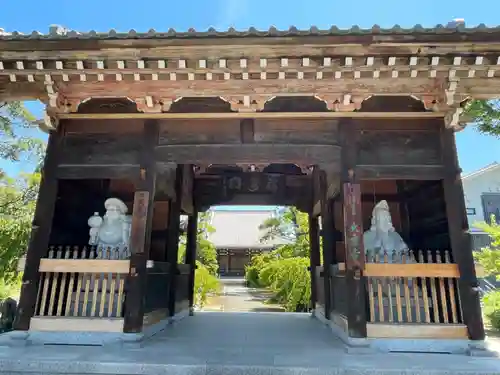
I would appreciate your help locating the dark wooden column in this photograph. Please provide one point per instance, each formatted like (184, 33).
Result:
(460, 238)
(172, 251)
(140, 238)
(328, 233)
(353, 234)
(191, 246)
(40, 232)
(314, 256)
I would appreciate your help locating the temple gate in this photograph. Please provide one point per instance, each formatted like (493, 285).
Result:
(337, 125)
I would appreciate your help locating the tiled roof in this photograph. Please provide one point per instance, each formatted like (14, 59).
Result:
(58, 32)
(240, 229)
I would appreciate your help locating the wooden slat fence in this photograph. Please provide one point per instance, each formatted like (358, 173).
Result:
(74, 283)
(414, 287)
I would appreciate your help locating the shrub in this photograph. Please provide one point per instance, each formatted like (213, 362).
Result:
(289, 279)
(491, 308)
(257, 263)
(205, 284)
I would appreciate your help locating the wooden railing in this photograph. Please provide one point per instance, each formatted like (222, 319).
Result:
(78, 292)
(413, 289)
(413, 295)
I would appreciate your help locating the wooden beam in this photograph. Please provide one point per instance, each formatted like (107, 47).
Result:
(353, 232)
(327, 230)
(416, 331)
(172, 244)
(253, 115)
(140, 239)
(76, 324)
(82, 172)
(460, 238)
(191, 246)
(247, 131)
(314, 257)
(400, 172)
(248, 153)
(40, 233)
(83, 266)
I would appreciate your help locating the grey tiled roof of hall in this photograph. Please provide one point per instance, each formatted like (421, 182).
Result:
(59, 32)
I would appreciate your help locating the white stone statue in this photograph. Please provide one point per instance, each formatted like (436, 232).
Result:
(112, 230)
(382, 237)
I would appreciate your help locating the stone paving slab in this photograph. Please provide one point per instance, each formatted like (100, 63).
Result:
(236, 343)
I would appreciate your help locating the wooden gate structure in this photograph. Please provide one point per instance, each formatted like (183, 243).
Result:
(330, 121)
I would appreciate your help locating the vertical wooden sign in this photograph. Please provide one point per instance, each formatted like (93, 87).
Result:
(139, 222)
(353, 227)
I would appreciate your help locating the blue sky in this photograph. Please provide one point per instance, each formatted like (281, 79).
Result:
(475, 150)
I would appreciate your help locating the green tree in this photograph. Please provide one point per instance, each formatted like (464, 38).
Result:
(489, 258)
(205, 281)
(289, 225)
(486, 114)
(284, 270)
(17, 204)
(17, 143)
(17, 195)
(206, 253)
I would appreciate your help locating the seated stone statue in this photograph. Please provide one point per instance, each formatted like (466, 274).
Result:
(382, 237)
(112, 231)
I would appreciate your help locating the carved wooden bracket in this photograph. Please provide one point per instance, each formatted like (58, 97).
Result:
(348, 103)
(49, 122)
(246, 103)
(453, 119)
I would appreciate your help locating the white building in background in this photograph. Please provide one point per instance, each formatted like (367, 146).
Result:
(237, 237)
(482, 199)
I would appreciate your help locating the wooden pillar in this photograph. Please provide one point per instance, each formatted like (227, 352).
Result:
(353, 235)
(460, 238)
(172, 251)
(191, 247)
(140, 238)
(327, 229)
(40, 232)
(314, 256)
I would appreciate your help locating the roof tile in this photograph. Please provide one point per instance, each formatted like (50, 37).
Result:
(58, 32)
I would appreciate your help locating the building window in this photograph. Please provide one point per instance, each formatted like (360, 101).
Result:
(471, 211)
(491, 206)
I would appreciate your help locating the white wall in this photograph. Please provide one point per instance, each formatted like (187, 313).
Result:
(474, 186)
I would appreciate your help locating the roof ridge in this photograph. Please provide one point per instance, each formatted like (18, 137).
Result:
(481, 170)
(59, 32)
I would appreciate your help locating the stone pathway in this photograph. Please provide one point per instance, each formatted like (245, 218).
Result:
(236, 343)
(236, 296)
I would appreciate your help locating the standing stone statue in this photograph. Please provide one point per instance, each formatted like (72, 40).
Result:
(112, 231)
(382, 237)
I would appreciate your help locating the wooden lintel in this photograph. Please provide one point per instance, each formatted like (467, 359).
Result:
(254, 115)
(78, 172)
(402, 172)
(248, 153)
